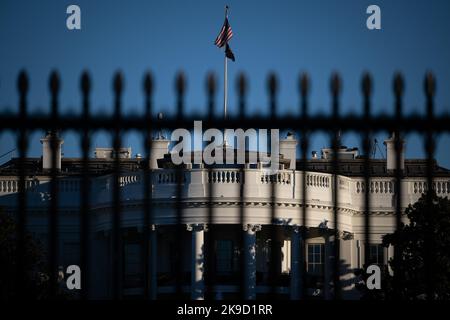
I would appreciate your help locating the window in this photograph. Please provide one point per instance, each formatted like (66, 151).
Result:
(224, 257)
(376, 254)
(315, 258)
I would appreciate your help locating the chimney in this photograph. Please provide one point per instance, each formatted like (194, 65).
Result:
(391, 160)
(314, 154)
(288, 148)
(160, 147)
(47, 151)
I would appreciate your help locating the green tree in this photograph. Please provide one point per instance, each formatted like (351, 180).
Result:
(424, 245)
(34, 280)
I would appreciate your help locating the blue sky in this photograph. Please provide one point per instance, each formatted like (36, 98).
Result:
(282, 36)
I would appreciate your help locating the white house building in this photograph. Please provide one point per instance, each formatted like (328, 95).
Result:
(260, 211)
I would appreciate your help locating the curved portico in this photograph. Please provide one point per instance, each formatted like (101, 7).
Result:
(243, 224)
(211, 200)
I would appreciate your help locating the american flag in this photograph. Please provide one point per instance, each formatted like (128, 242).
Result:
(225, 34)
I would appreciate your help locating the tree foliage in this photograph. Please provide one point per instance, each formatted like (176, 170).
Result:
(33, 279)
(424, 246)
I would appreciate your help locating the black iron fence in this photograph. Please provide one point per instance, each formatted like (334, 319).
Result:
(23, 123)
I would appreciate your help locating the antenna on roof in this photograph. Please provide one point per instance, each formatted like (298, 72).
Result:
(10, 151)
(376, 146)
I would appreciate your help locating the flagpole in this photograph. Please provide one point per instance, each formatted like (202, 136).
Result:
(225, 85)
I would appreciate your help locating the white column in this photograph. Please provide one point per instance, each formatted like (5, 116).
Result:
(153, 263)
(327, 267)
(296, 262)
(197, 260)
(346, 269)
(250, 260)
(357, 244)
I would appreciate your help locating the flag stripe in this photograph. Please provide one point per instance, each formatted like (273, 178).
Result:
(225, 34)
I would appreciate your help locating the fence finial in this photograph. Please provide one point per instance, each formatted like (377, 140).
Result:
(304, 84)
(148, 83)
(429, 84)
(399, 85)
(211, 84)
(366, 84)
(242, 84)
(118, 82)
(180, 83)
(22, 82)
(335, 84)
(54, 82)
(85, 82)
(272, 84)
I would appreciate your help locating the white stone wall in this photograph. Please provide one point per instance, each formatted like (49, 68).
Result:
(226, 186)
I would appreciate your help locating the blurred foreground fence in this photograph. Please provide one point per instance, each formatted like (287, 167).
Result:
(23, 123)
